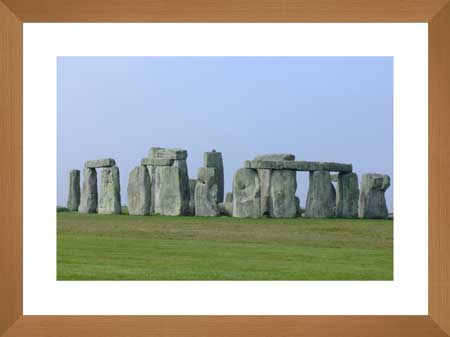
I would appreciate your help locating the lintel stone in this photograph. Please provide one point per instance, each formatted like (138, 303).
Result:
(99, 163)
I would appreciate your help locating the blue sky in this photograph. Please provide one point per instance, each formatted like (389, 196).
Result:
(319, 108)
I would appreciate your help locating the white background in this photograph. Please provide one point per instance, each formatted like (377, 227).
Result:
(407, 294)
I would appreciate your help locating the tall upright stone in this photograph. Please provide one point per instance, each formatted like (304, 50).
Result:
(321, 198)
(169, 181)
(214, 159)
(246, 194)
(372, 201)
(282, 194)
(152, 175)
(192, 184)
(73, 199)
(109, 201)
(139, 191)
(185, 194)
(206, 192)
(89, 194)
(265, 177)
(347, 195)
(170, 198)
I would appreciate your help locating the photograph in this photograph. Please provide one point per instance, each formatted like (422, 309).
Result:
(225, 168)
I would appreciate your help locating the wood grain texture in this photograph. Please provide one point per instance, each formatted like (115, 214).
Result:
(439, 169)
(225, 326)
(225, 10)
(10, 168)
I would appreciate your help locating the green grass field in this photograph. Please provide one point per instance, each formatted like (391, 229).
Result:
(123, 247)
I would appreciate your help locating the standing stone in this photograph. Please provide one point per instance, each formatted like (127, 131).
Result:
(185, 193)
(169, 194)
(347, 194)
(169, 181)
(265, 176)
(206, 192)
(299, 209)
(89, 195)
(139, 191)
(152, 174)
(229, 197)
(282, 194)
(246, 194)
(372, 202)
(214, 159)
(109, 201)
(321, 199)
(73, 200)
(192, 184)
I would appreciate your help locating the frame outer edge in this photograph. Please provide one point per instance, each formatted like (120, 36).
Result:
(439, 169)
(10, 168)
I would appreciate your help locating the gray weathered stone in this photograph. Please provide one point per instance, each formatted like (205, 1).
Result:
(275, 156)
(229, 197)
(300, 210)
(214, 159)
(321, 199)
(192, 184)
(99, 163)
(225, 208)
(283, 185)
(264, 164)
(184, 185)
(372, 202)
(171, 185)
(298, 165)
(89, 195)
(265, 176)
(317, 166)
(246, 194)
(167, 153)
(73, 199)
(206, 192)
(152, 174)
(347, 194)
(109, 201)
(178, 186)
(157, 162)
(271, 161)
(139, 191)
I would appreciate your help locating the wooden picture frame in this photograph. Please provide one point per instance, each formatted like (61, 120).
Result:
(14, 12)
